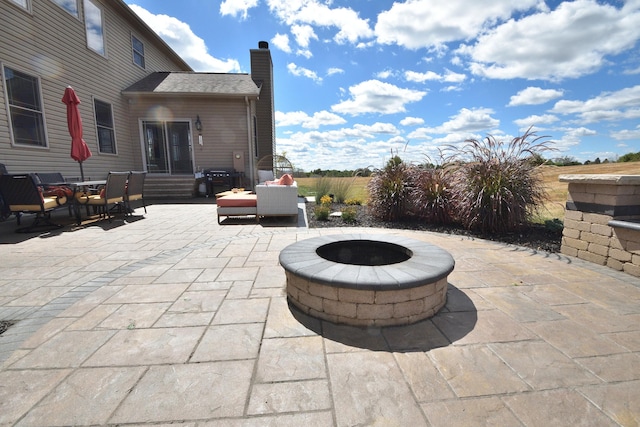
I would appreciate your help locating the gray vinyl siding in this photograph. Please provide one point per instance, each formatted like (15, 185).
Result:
(224, 126)
(51, 44)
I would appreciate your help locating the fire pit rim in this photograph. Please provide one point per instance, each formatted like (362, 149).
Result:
(428, 263)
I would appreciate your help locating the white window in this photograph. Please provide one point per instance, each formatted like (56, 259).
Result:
(104, 123)
(95, 27)
(25, 108)
(25, 4)
(138, 51)
(70, 6)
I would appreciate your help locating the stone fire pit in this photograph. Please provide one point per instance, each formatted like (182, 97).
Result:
(367, 280)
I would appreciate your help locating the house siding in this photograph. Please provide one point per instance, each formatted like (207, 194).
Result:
(224, 126)
(51, 44)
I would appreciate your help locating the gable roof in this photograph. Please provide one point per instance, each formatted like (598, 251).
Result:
(186, 83)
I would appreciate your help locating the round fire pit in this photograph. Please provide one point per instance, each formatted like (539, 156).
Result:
(367, 280)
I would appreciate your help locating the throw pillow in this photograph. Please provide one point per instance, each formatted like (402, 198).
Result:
(264, 176)
(286, 179)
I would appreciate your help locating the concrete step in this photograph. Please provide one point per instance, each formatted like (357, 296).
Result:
(170, 187)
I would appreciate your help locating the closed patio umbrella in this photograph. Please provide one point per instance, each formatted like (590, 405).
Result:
(79, 149)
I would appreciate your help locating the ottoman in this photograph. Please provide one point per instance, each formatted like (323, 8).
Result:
(237, 205)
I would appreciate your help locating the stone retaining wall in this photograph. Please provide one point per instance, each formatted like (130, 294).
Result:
(602, 220)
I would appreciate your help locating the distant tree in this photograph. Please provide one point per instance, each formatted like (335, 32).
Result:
(605, 161)
(630, 157)
(565, 161)
(597, 161)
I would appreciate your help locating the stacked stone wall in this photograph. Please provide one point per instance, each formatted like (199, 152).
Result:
(602, 220)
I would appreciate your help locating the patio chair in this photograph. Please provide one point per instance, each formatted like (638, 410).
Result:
(53, 184)
(21, 194)
(135, 190)
(113, 193)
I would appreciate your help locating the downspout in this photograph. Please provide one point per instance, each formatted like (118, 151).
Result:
(252, 156)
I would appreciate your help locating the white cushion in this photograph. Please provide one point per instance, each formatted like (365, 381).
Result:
(265, 176)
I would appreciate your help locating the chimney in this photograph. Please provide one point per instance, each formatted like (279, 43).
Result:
(262, 75)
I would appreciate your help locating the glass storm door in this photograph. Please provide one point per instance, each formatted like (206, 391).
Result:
(167, 147)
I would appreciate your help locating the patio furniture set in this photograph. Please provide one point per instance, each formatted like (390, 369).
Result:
(271, 198)
(42, 193)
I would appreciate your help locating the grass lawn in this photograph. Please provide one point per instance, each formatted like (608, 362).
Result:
(556, 190)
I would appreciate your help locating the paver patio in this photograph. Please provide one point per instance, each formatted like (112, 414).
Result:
(172, 318)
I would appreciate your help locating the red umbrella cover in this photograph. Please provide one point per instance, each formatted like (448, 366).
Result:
(79, 149)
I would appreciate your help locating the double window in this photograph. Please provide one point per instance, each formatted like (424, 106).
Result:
(105, 129)
(138, 51)
(25, 108)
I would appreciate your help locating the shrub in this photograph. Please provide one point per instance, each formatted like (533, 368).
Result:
(349, 214)
(322, 212)
(326, 200)
(431, 194)
(340, 188)
(353, 202)
(388, 191)
(321, 187)
(496, 187)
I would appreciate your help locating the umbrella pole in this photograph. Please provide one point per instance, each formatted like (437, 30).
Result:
(81, 172)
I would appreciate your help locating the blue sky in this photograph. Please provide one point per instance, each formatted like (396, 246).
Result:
(358, 80)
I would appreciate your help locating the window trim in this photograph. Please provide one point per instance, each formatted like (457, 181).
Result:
(61, 6)
(134, 51)
(103, 36)
(98, 127)
(37, 78)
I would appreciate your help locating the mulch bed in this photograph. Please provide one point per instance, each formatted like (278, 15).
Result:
(533, 236)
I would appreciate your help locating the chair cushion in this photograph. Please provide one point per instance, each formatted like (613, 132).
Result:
(48, 202)
(237, 200)
(57, 190)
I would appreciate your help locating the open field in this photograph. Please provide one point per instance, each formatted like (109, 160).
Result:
(556, 190)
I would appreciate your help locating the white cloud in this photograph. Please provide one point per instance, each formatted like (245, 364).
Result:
(281, 41)
(467, 121)
(449, 76)
(609, 106)
(422, 23)
(237, 7)
(572, 137)
(385, 74)
(412, 121)
(413, 76)
(632, 71)
(534, 96)
(377, 128)
(626, 134)
(568, 42)
(303, 35)
(374, 96)
(351, 28)
(190, 47)
(334, 70)
(303, 72)
(535, 120)
(300, 118)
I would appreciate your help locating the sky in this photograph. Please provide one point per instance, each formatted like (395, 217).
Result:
(359, 81)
